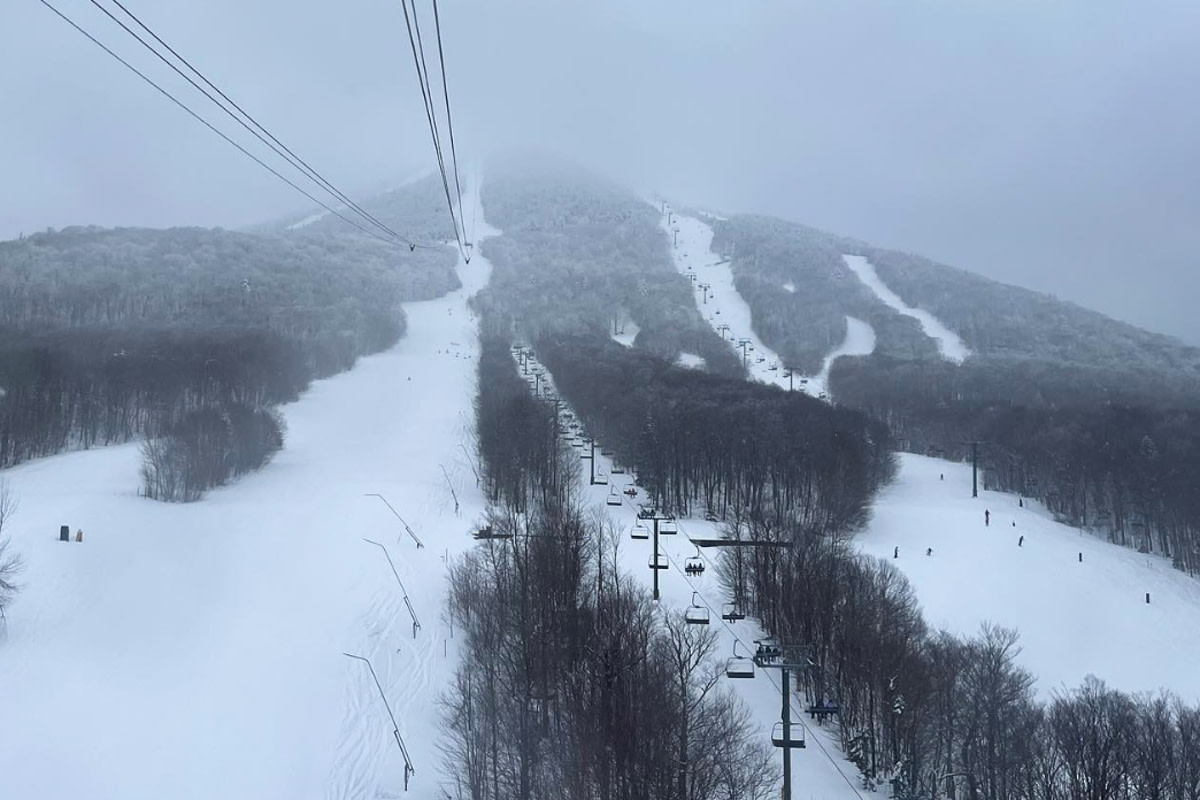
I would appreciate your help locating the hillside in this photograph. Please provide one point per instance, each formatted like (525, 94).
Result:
(188, 334)
(995, 320)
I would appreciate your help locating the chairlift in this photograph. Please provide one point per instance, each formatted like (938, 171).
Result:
(795, 738)
(823, 709)
(613, 498)
(696, 614)
(631, 491)
(768, 651)
(773, 367)
(645, 512)
(640, 531)
(739, 666)
(731, 612)
(694, 566)
(668, 527)
(604, 451)
(617, 469)
(658, 561)
(600, 480)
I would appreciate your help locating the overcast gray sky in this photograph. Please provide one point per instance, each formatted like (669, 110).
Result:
(1048, 144)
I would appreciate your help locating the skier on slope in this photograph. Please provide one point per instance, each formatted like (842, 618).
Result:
(987, 518)
(896, 552)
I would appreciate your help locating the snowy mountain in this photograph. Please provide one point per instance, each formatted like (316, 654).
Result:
(471, 508)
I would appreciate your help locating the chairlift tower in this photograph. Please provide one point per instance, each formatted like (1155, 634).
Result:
(746, 346)
(974, 468)
(787, 658)
(705, 288)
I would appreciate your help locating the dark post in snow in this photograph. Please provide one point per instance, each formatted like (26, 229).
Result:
(744, 344)
(786, 659)
(974, 468)
(1147, 598)
(655, 570)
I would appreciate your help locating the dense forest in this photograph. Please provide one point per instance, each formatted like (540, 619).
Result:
(189, 336)
(994, 319)
(1086, 443)
(580, 255)
(929, 714)
(565, 656)
(1098, 420)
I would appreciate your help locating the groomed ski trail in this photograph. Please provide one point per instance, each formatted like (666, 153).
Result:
(722, 306)
(949, 343)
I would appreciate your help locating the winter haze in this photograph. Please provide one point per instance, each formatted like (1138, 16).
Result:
(1050, 145)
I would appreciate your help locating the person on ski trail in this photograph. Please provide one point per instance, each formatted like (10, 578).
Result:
(987, 518)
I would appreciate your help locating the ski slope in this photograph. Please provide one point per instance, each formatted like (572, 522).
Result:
(1074, 618)
(950, 345)
(196, 651)
(820, 770)
(718, 300)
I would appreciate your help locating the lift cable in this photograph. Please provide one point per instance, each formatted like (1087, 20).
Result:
(413, 25)
(214, 129)
(275, 144)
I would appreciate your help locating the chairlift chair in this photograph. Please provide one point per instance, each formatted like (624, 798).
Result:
(640, 531)
(739, 666)
(730, 612)
(617, 469)
(658, 561)
(668, 527)
(694, 566)
(795, 735)
(823, 709)
(631, 491)
(600, 480)
(696, 614)
(613, 498)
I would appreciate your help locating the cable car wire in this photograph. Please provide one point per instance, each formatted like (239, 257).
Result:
(413, 25)
(213, 128)
(437, 24)
(274, 144)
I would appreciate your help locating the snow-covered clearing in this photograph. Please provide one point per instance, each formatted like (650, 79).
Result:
(790, 287)
(690, 361)
(195, 651)
(819, 770)
(1074, 618)
(949, 343)
(718, 300)
(628, 332)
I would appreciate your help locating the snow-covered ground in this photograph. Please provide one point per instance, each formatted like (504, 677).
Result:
(718, 300)
(629, 331)
(819, 770)
(950, 345)
(690, 361)
(196, 651)
(1074, 618)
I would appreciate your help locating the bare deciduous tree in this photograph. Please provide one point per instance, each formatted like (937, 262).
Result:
(11, 562)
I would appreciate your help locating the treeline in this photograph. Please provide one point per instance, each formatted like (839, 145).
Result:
(1093, 446)
(720, 444)
(1008, 321)
(933, 715)
(111, 335)
(572, 683)
(581, 255)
